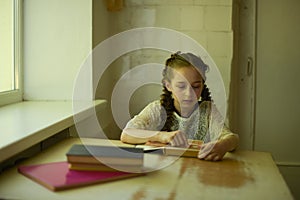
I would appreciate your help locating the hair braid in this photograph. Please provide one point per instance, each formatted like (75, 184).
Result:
(205, 95)
(167, 101)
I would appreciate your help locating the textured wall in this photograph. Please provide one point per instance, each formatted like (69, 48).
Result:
(206, 21)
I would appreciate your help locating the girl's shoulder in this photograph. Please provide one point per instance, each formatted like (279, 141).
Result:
(153, 106)
(155, 102)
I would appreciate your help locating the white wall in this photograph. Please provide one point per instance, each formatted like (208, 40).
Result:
(57, 39)
(206, 21)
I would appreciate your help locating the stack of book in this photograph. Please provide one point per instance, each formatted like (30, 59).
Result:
(105, 158)
(86, 165)
(90, 164)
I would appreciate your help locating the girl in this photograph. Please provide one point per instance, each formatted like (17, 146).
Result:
(179, 115)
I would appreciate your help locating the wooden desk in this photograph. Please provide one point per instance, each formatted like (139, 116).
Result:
(241, 175)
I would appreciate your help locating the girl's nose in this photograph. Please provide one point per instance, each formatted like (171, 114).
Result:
(189, 92)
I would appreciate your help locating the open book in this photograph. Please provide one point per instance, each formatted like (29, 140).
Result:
(191, 151)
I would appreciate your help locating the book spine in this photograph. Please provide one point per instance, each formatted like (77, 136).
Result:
(181, 152)
(105, 160)
(101, 167)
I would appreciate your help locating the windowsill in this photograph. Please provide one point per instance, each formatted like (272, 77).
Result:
(27, 123)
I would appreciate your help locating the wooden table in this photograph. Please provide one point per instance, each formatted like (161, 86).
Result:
(241, 175)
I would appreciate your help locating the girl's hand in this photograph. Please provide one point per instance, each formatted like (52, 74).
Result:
(179, 139)
(173, 138)
(213, 151)
(216, 150)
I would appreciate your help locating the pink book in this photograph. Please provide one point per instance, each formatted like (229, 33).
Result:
(57, 176)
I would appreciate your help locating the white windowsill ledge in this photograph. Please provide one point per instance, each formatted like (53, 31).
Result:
(27, 123)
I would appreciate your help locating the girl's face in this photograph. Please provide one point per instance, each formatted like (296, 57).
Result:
(186, 86)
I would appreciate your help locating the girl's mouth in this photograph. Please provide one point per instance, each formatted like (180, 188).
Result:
(187, 101)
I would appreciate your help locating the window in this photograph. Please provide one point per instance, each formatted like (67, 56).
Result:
(10, 51)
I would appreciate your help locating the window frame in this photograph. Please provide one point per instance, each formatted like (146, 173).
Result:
(16, 95)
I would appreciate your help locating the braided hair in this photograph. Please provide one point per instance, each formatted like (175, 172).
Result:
(178, 60)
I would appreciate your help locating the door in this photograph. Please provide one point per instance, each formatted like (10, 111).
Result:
(278, 74)
(267, 77)
(243, 87)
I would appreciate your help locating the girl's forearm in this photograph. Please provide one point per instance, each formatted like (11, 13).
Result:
(231, 141)
(139, 136)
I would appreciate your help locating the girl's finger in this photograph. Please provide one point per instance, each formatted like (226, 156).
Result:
(212, 157)
(207, 148)
(202, 153)
(175, 141)
(217, 158)
(183, 142)
(179, 139)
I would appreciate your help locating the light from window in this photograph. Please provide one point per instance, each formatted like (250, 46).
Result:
(7, 72)
(10, 48)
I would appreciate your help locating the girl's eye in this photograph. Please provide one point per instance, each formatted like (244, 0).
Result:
(181, 86)
(196, 86)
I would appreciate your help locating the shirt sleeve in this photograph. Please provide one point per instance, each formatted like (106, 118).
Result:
(225, 132)
(148, 119)
(218, 130)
